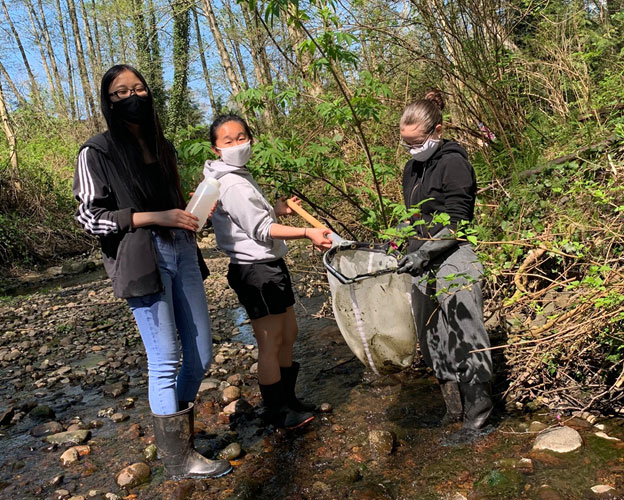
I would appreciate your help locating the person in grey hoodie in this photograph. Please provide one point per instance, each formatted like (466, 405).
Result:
(446, 294)
(246, 229)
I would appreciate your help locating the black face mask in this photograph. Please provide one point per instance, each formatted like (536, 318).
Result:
(134, 109)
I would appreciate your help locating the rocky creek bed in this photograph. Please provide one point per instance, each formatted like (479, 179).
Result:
(75, 421)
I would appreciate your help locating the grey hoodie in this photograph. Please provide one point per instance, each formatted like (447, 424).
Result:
(243, 217)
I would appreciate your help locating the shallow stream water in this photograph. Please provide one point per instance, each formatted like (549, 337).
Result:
(329, 459)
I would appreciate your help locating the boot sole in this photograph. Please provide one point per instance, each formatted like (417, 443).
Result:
(301, 424)
(201, 476)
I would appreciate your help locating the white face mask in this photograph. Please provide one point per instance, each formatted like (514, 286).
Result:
(236, 156)
(424, 152)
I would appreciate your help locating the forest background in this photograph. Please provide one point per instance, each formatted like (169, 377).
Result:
(535, 91)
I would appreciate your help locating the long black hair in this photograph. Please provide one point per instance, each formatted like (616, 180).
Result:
(146, 186)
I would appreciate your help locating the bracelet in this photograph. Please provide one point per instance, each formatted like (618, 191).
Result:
(304, 232)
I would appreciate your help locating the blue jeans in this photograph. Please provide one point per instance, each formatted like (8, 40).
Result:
(180, 311)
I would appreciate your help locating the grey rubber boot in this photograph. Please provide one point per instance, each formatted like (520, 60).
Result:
(289, 380)
(452, 399)
(174, 439)
(278, 413)
(478, 404)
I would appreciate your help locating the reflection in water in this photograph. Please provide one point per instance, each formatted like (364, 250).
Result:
(239, 317)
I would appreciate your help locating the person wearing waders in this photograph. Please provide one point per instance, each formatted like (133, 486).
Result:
(446, 292)
(129, 194)
(246, 229)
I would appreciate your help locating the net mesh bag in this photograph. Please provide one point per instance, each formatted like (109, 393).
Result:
(372, 305)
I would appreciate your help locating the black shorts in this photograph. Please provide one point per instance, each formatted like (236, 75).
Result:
(262, 288)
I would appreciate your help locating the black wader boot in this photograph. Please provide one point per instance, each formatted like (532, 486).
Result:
(289, 380)
(477, 400)
(174, 439)
(278, 413)
(452, 399)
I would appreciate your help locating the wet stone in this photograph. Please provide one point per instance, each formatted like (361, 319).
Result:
(6, 416)
(77, 427)
(115, 390)
(537, 426)
(133, 475)
(69, 457)
(72, 437)
(560, 440)
(46, 429)
(230, 394)
(41, 412)
(230, 452)
(119, 417)
(326, 408)
(209, 385)
(602, 489)
(381, 442)
(150, 453)
(235, 379)
(253, 369)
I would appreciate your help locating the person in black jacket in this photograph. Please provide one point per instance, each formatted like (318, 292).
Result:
(129, 194)
(446, 294)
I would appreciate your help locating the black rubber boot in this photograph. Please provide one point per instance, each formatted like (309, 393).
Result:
(452, 399)
(174, 439)
(477, 404)
(289, 380)
(477, 401)
(278, 413)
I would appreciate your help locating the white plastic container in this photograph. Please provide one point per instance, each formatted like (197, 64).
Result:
(204, 198)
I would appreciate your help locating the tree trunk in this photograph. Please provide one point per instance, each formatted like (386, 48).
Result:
(8, 132)
(223, 53)
(14, 89)
(236, 46)
(262, 71)
(179, 105)
(82, 67)
(202, 57)
(96, 69)
(119, 21)
(33, 83)
(157, 83)
(68, 62)
(96, 37)
(112, 57)
(36, 32)
(140, 34)
(60, 92)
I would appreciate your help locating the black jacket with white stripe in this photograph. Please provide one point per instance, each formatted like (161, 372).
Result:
(105, 210)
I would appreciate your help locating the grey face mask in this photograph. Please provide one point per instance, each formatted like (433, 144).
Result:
(424, 152)
(236, 156)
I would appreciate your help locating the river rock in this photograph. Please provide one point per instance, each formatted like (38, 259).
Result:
(253, 369)
(208, 385)
(41, 412)
(62, 493)
(46, 429)
(603, 435)
(230, 394)
(601, 489)
(326, 408)
(559, 439)
(115, 390)
(111, 496)
(119, 417)
(150, 453)
(537, 426)
(69, 457)
(381, 442)
(133, 475)
(230, 452)
(235, 379)
(69, 437)
(6, 416)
